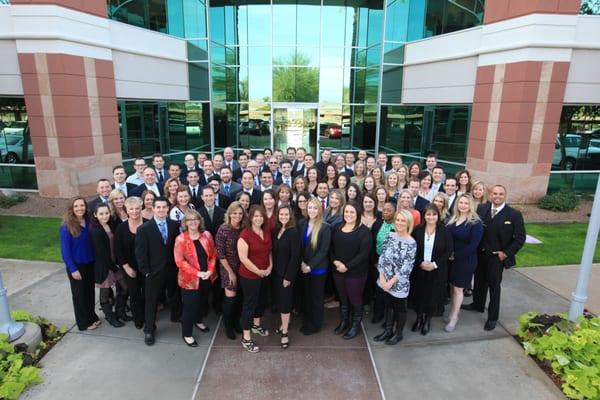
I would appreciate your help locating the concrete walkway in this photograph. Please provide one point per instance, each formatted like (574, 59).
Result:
(469, 363)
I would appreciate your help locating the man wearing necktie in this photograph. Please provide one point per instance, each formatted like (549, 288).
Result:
(103, 189)
(159, 166)
(119, 176)
(155, 240)
(285, 178)
(229, 188)
(503, 237)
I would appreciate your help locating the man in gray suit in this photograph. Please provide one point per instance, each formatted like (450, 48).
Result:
(228, 186)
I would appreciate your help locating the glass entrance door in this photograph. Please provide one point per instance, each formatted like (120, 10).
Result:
(295, 125)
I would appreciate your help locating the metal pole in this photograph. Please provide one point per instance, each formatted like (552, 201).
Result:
(579, 296)
(13, 329)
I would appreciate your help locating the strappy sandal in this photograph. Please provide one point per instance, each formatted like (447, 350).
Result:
(250, 346)
(284, 345)
(259, 330)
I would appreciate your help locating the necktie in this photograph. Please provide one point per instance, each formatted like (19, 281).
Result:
(210, 213)
(163, 231)
(194, 194)
(160, 176)
(494, 212)
(323, 203)
(227, 190)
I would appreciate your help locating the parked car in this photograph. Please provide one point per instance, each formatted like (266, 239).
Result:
(15, 128)
(256, 127)
(332, 131)
(11, 148)
(577, 156)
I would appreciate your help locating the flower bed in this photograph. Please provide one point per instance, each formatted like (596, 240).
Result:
(571, 351)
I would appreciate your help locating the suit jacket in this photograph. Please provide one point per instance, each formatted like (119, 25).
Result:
(141, 188)
(443, 246)
(129, 186)
(212, 225)
(234, 165)
(279, 180)
(222, 201)
(348, 172)
(165, 175)
(197, 202)
(103, 262)
(256, 196)
(286, 253)
(451, 206)
(95, 202)
(295, 172)
(505, 232)
(237, 175)
(322, 166)
(184, 172)
(152, 254)
(203, 180)
(420, 204)
(319, 257)
(234, 189)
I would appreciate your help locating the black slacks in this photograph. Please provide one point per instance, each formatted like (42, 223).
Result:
(155, 284)
(195, 306)
(488, 275)
(398, 308)
(84, 296)
(313, 296)
(136, 298)
(254, 299)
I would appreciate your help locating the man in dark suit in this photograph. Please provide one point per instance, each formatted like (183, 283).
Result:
(450, 188)
(189, 165)
(419, 202)
(323, 194)
(237, 173)
(154, 243)
(159, 167)
(274, 168)
(324, 162)
(266, 181)
(220, 199)
(503, 237)
(119, 176)
(228, 187)
(248, 187)
(228, 160)
(103, 189)
(209, 172)
(285, 178)
(437, 180)
(298, 166)
(194, 189)
(340, 166)
(149, 184)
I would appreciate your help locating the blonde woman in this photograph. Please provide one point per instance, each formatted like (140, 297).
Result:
(440, 200)
(118, 213)
(467, 230)
(480, 193)
(391, 185)
(315, 236)
(405, 202)
(402, 174)
(359, 174)
(170, 190)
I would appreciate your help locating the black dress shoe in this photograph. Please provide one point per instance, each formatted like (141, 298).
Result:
(203, 328)
(123, 316)
(193, 343)
(489, 325)
(149, 338)
(139, 325)
(114, 322)
(471, 307)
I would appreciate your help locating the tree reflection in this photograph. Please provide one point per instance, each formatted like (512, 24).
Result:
(297, 83)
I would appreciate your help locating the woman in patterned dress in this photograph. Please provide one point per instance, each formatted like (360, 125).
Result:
(395, 264)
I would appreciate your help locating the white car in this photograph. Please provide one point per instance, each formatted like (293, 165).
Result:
(11, 149)
(575, 156)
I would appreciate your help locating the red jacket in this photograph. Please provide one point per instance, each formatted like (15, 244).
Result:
(187, 259)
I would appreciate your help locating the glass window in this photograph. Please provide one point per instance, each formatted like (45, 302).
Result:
(331, 85)
(590, 7)
(357, 85)
(308, 14)
(300, 84)
(577, 144)
(194, 14)
(393, 53)
(334, 26)
(373, 56)
(284, 23)
(15, 138)
(331, 132)
(391, 85)
(242, 25)
(145, 14)
(259, 24)
(259, 55)
(255, 126)
(197, 50)
(375, 25)
(198, 75)
(401, 129)
(449, 132)
(449, 16)
(371, 85)
(217, 24)
(335, 56)
(260, 83)
(303, 56)
(217, 54)
(218, 83)
(396, 20)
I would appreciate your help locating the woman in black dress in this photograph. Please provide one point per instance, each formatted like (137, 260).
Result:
(286, 262)
(350, 254)
(125, 254)
(434, 246)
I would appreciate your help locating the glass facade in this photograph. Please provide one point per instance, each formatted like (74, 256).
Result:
(313, 73)
(17, 168)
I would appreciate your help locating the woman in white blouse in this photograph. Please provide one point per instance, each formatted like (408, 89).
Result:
(182, 204)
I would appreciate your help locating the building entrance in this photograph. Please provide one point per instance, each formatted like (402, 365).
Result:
(295, 125)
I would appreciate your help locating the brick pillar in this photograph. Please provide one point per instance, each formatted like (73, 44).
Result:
(72, 111)
(516, 111)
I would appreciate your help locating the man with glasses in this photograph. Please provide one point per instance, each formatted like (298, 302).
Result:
(137, 178)
(189, 165)
(215, 184)
(254, 169)
(274, 168)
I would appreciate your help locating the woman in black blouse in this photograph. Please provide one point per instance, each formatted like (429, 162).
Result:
(286, 262)
(350, 254)
(434, 246)
(125, 254)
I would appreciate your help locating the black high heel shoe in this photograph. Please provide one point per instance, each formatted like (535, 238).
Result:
(284, 345)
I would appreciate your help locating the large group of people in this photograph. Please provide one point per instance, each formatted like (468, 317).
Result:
(282, 232)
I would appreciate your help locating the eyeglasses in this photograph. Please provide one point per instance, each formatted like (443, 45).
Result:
(272, 162)
(302, 201)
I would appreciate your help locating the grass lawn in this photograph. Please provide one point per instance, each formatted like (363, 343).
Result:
(29, 238)
(561, 244)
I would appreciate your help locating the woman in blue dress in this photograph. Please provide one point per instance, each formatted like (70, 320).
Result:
(466, 229)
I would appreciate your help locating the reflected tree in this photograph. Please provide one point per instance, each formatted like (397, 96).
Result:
(590, 7)
(299, 83)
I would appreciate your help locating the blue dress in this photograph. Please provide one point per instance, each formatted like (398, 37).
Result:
(466, 241)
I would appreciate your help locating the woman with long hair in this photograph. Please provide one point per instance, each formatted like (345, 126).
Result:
(286, 263)
(480, 193)
(467, 230)
(300, 185)
(182, 205)
(148, 197)
(391, 185)
(301, 204)
(268, 201)
(440, 200)
(244, 199)
(106, 271)
(353, 193)
(402, 174)
(125, 255)
(284, 196)
(395, 265)
(425, 181)
(414, 169)
(333, 213)
(359, 173)
(116, 204)
(405, 202)
(313, 177)
(170, 189)
(350, 253)
(255, 265)
(229, 261)
(381, 194)
(434, 246)
(331, 176)
(379, 176)
(315, 236)
(77, 253)
(342, 182)
(196, 257)
(369, 185)
(463, 180)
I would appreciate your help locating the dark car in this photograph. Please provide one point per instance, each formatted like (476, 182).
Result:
(332, 131)
(256, 127)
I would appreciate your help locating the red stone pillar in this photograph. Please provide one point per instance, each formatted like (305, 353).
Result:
(72, 111)
(516, 111)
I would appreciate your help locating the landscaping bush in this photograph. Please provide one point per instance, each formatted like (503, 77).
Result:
(571, 350)
(9, 201)
(559, 201)
(18, 367)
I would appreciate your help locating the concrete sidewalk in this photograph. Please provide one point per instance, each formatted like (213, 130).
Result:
(469, 363)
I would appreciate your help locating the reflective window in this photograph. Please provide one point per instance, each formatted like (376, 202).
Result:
(450, 16)
(15, 145)
(296, 84)
(391, 84)
(145, 14)
(590, 7)
(577, 145)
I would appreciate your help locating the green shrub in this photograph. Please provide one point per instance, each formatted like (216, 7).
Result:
(9, 201)
(559, 201)
(572, 350)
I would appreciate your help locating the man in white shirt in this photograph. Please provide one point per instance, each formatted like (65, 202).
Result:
(217, 164)
(266, 181)
(286, 174)
(323, 194)
(450, 187)
(207, 167)
(194, 188)
(228, 158)
(254, 169)
(103, 190)
(119, 177)
(437, 177)
(298, 167)
(430, 162)
(396, 164)
(382, 160)
(137, 178)
(149, 184)
(350, 161)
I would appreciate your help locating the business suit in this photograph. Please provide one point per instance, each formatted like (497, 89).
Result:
(286, 263)
(185, 171)
(197, 199)
(298, 171)
(451, 204)
(256, 196)
(161, 174)
(431, 286)
(212, 225)
(234, 189)
(314, 281)
(346, 171)
(504, 232)
(95, 202)
(222, 201)
(204, 179)
(322, 166)
(281, 181)
(128, 187)
(233, 164)
(157, 264)
(141, 188)
(420, 204)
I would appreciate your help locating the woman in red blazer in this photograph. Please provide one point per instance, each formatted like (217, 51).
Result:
(196, 257)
